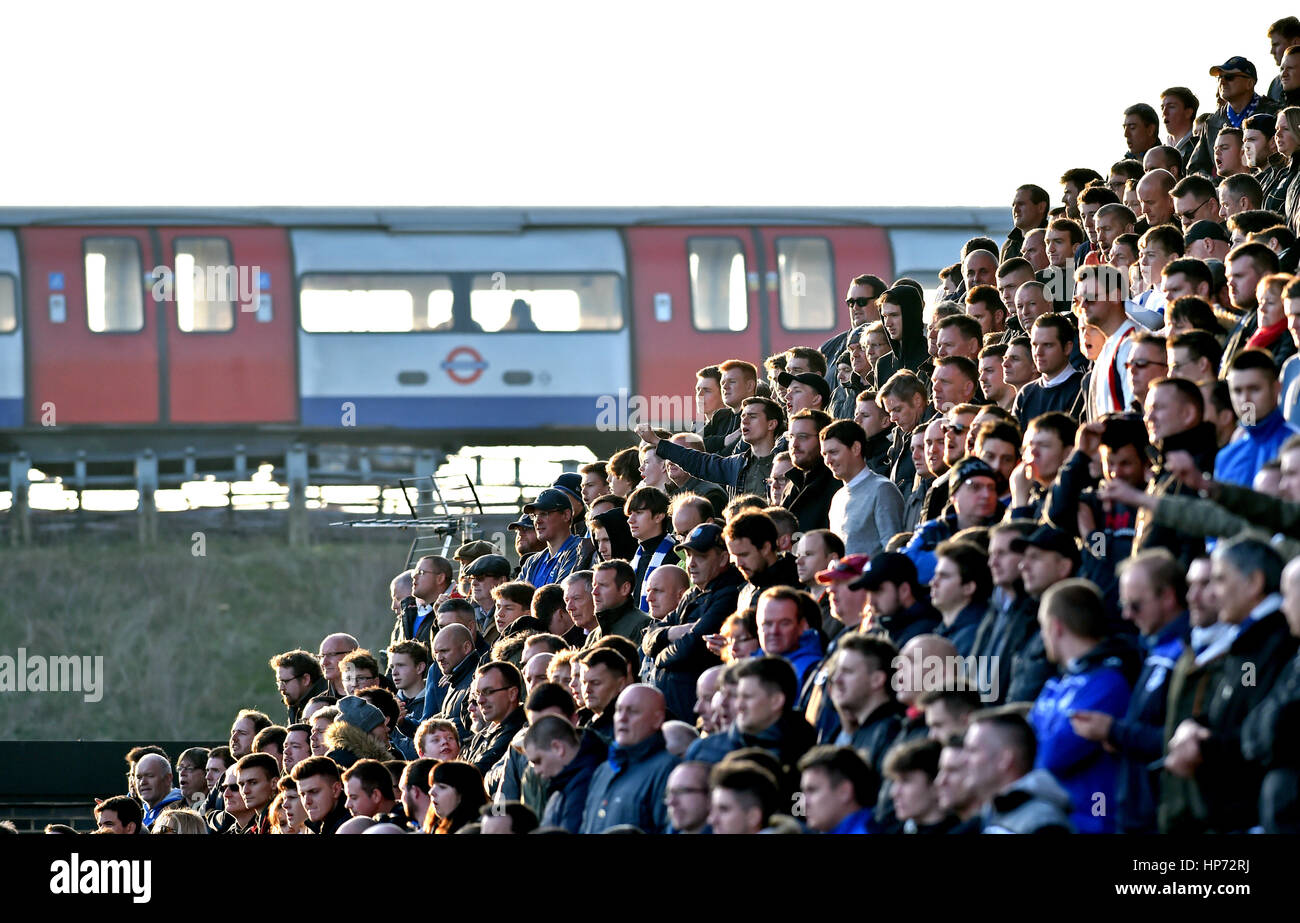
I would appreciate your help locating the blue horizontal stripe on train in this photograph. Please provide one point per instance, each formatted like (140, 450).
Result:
(11, 412)
(504, 412)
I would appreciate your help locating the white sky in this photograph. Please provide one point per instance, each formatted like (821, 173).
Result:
(558, 103)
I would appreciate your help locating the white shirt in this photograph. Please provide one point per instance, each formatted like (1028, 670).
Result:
(1114, 356)
(1062, 377)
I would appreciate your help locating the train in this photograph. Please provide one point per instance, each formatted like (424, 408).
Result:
(434, 326)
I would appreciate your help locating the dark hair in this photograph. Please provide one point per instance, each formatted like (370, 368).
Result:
(126, 808)
(301, 662)
(1248, 222)
(1195, 311)
(1013, 730)
(847, 432)
(269, 737)
(988, 296)
(1196, 184)
(1264, 259)
(1054, 421)
(374, 776)
(605, 657)
(756, 783)
(774, 673)
(966, 325)
(771, 411)
(1066, 331)
(522, 818)
(626, 464)
(833, 544)
(1097, 193)
(1249, 359)
(547, 729)
(755, 526)
(844, 764)
(1167, 237)
(1079, 176)
(979, 243)
(913, 756)
(1070, 226)
(466, 779)
(510, 675)
(876, 648)
(1243, 184)
(547, 599)
(966, 367)
(623, 572)
(1145, 112)
(1201, 344)
(821, 419)
(383, 700)
(316, 766)
(647, 498)
(972, 566)
(1184, 96)
(553, 695)
(1129, 169)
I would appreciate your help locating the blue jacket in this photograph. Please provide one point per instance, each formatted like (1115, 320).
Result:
(566, 794)
(806, 654)
(857, 822)
(928, 536)
(169, 799)
(1240, 460)
(1140, 735)
(629, 788)
(1094, 682)
(963, 628)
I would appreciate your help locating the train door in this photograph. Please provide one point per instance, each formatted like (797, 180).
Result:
(809, 270)
(92, 332)
(11, 334)
(229, 324)
(695, 299)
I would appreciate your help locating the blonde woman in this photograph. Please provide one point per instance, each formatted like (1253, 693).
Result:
(179, 820)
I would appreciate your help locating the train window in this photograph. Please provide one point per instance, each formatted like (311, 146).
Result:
(719, 299)
(523, 302)
(806, 276)
(8, 305)
(375, 303)
(208, 284)
(114, 285)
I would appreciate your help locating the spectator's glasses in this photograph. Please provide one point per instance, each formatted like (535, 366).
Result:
(1187, 215)
(230, 787)
(773, 482)
(957, 428)
(858, 302)
(421, 573)
(479, 696)
(1140, 364)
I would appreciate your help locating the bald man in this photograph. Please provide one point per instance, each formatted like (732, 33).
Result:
(1153, 191)
(333, 649)
(634, 793)
(705, 687)
(665, 589)
(980, 268)
(535, 669)
(453, 652)
(153, 783)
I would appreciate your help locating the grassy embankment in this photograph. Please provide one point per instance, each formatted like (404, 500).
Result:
(185, 639)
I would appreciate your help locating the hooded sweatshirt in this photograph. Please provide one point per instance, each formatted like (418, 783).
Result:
(614, 522)
(913, 350)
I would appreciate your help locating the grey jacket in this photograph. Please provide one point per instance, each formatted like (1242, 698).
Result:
(634, 793)
(1034, 803)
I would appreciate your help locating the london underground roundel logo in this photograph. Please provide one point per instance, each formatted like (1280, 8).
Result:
(464, 365)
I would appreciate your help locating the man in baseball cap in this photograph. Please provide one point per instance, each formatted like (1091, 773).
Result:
(1237, 78)
(898, 604)
(975, 491)
(805, 391)
(563, 552)
(526, 540)
(1207, 240)
(846, 603)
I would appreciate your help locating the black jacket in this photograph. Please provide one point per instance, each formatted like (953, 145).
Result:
(1003, 634)
(489, 744)
(678, 664)
(1199, 441)
(920, 618)
(912, 351)
(722, 424)
(877, 451)
(333, 820)
(455, 689)
(320, 687)
(1201, 160)
(877, 734)
(783, 573)
(1229, 782)
(808, 496)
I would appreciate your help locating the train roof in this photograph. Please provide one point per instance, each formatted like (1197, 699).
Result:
(506, 220)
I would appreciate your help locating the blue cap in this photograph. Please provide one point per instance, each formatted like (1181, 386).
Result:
(703, 538)
(1235, 65)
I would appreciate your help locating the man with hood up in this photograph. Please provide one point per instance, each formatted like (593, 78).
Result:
(901, 314)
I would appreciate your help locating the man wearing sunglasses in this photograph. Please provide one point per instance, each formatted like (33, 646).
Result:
(1237, 79)
(860, 300)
